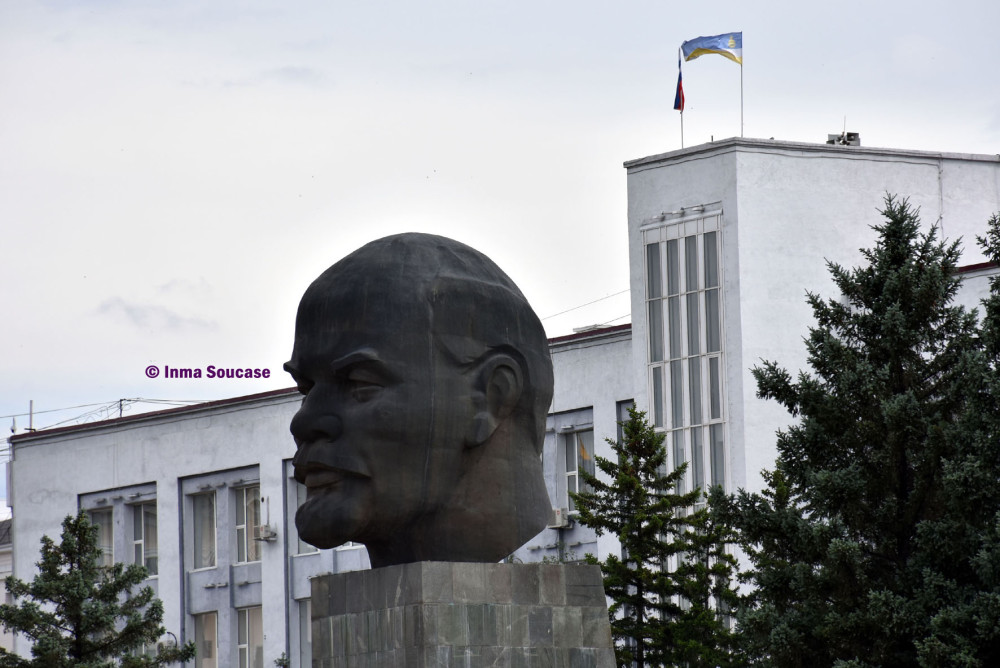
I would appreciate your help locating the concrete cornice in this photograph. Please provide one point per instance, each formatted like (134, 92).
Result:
(741, 144)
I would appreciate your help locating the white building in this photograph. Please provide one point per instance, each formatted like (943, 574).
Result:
(724, 240)
(204, 497)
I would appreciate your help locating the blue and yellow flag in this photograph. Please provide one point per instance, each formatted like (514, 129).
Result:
(729, 45)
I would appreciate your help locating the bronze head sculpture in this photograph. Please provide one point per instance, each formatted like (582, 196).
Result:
(426, 380)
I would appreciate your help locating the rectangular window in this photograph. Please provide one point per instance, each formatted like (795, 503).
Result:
(711, 261)
(658, 396)
(673, 268)
(305, 632)
(718, 454)
(656, 330)
(144, 536)
(691, 264)
(654, 280)
(697, 459)
(579, 455)
(204, 530)
(693, 324)
(713, 335)
(683, 269)
(674, 325)
(248, 524)
(206, 640)
(102, 519)
(679, 456)
(714, 389)
(694, 389)
(676, 394)
(654, 292)
(250, 637)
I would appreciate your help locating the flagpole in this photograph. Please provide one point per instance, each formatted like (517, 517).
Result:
(682, 128)
(741, 99)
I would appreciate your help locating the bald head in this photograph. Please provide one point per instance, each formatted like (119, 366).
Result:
(431, 368)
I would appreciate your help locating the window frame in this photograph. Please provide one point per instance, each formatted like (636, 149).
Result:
(246, 650)
(211, 661)
(684, 271)
(199, 533)
(116, 505)
(141, 542)
(248, 547)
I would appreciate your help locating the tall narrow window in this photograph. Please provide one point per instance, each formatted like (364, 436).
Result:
(250, 637)
(206, 640)
(144, 544)
(714, 389)
(579, 455)
(655, 292)
(305, 632)
(718, 455)
(102, 519)
(686, 388)
(204, 530)
(679, 457)
(248, 524)
(658, 396)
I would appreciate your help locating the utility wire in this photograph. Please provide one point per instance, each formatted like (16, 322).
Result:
(587, 304)
(105, 407)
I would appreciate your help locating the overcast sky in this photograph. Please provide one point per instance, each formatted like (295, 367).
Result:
(174, 174)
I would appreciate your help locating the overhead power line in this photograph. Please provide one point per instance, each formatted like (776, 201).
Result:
(587, 304)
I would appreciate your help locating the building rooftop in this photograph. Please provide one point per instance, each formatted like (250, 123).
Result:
(772, 145)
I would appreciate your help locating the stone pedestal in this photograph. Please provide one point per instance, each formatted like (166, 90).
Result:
(441, 614)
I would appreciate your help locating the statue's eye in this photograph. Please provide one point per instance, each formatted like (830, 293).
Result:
(364, 384)
(363, 392)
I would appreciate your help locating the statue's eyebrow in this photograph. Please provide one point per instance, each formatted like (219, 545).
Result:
(362, 356)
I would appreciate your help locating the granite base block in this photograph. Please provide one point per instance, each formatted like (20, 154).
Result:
(442, 614)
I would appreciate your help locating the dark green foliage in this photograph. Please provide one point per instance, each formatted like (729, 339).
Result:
(80, 614)
(876, 540)
(657, 526)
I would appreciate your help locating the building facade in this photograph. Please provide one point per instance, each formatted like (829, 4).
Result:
(724, 241)
(204, 497)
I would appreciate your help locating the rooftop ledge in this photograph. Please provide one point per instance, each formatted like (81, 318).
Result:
(789, 147)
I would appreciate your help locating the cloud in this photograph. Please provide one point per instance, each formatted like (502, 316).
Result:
(185, 286)
(146, 316)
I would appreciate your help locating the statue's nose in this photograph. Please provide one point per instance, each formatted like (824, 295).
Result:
(307, 427)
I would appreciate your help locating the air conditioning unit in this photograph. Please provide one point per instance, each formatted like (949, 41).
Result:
(266, 533)
(561, 518)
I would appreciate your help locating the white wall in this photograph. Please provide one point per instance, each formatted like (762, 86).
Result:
(786, 209)
(51, 470)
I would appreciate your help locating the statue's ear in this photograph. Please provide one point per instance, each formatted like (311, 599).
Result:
(497, 385)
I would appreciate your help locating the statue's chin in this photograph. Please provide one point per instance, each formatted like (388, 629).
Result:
(320, 529)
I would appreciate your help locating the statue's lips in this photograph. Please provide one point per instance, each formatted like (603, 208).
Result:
(321, 464)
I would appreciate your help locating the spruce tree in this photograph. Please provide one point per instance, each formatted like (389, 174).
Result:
(672, 585)
(875, 540)
(78, 613)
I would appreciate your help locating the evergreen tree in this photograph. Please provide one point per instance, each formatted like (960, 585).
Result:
(80, 614)
(875, 541)
(667, 588)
